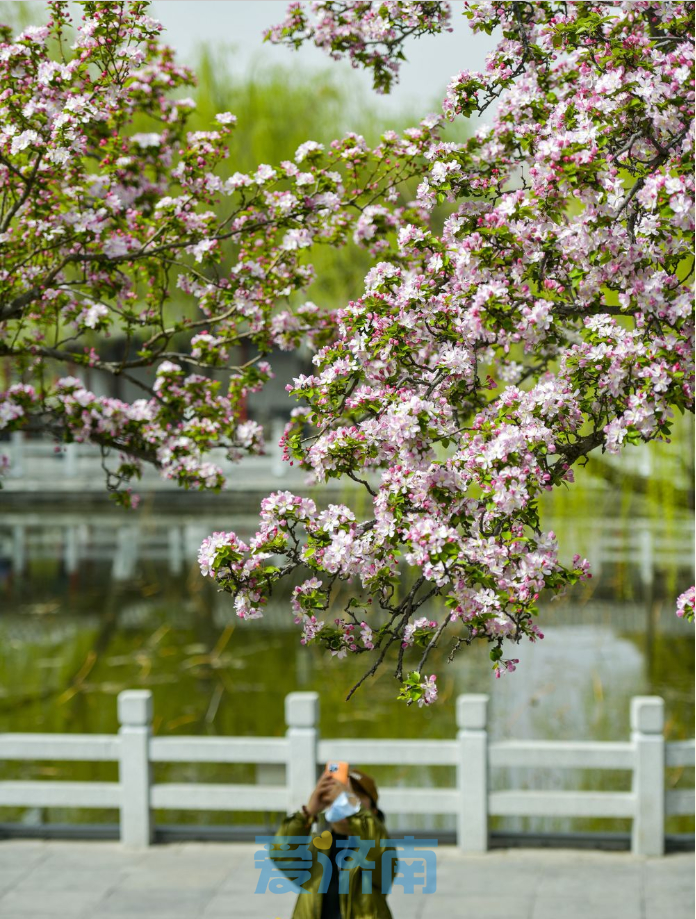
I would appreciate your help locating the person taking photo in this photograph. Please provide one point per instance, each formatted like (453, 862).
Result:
(348, 799)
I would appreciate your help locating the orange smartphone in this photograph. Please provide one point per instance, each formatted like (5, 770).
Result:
(339, 770)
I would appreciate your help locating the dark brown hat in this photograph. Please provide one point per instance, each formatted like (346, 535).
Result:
(361, 781)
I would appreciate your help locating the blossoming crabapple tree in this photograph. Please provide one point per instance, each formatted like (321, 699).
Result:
(550, 317)
(109, 205)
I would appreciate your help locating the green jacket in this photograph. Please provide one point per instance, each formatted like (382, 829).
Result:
(355, 904)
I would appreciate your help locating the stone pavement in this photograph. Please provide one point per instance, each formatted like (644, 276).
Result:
(100, 880)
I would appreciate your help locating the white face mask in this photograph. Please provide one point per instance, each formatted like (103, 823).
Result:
(341, 808)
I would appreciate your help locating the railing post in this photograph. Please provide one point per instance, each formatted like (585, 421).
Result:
(70, 460)
(17, 454)
(279, 468)
(647, 723)
(71, 550)
(135, 717)
(175, 553)
(126, 554)
(19, 549)
(472, 773)
(301, 715)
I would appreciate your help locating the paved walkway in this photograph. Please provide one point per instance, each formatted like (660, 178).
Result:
(100, 880)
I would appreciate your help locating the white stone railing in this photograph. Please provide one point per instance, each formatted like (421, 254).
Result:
(42, 461)
(25, 534)
(301, 750)
(645, 544)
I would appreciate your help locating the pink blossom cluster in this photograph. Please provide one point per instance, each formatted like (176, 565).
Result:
(549, 318)
(369, 34)
(429, 690)
(505, 666)
(685, 604)
(105, 220)
(422, 625)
